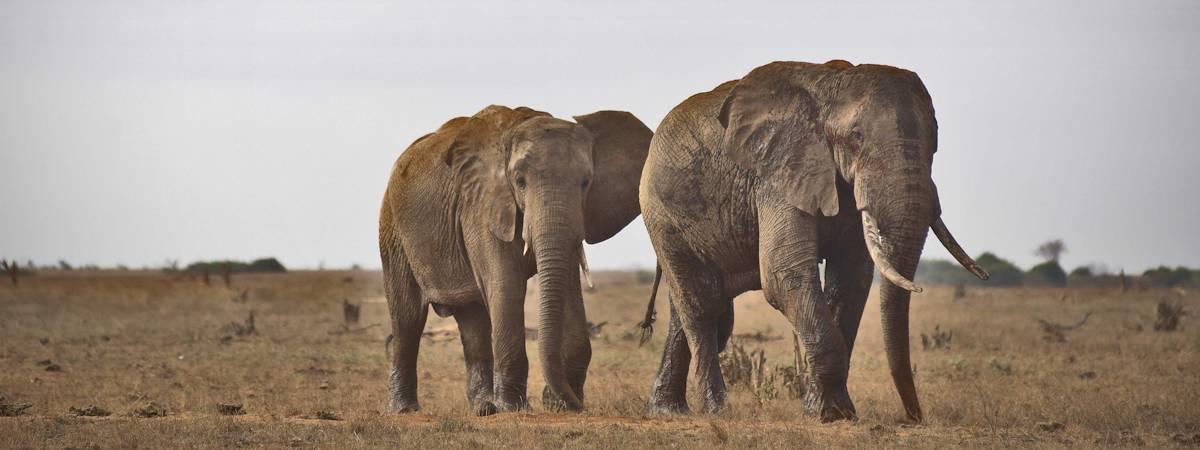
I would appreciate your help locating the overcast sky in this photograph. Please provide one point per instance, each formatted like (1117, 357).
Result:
(136, 132)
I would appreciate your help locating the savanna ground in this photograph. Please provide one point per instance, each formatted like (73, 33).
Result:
(121, 341)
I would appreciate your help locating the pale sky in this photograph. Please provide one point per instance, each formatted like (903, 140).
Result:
(136, 132)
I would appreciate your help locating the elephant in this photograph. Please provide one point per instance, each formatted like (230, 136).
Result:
(751, 185)
(475, 209)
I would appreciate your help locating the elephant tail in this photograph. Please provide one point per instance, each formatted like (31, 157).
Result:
(647, 324)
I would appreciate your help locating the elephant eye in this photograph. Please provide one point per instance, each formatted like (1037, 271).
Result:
(585, 183)
(521, 182)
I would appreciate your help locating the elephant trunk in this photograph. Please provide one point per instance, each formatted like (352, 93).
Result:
(557, 231)
(896, 250)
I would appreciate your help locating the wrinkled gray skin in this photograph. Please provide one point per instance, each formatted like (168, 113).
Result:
(475, 209)
(750, 185)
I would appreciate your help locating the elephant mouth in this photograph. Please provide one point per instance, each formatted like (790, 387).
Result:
(883, 260)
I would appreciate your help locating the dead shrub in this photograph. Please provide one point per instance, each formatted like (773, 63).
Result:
(749, 369)
(90, 411)
(12, 269)
(1169, 316)
(1055, 332)
(350, 312)
(152, 409)
(326, 415)
(12, 409)
(939, 339)
(794, 378)
(242, 329)
(242, 296)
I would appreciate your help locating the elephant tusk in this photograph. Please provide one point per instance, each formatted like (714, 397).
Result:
(525, 237)
(885, 267)
(951, 244)
(583, 265)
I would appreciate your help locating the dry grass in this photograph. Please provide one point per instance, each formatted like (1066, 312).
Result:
(144, 344)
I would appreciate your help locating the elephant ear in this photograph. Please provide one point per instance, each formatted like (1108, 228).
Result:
(620, 143)
(478, 160)
(772, 129)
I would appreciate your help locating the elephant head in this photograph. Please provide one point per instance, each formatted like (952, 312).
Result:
(547, 185)
(804, 128)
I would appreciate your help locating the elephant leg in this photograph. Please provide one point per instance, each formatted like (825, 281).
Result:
(506, 305)
(701, 314)
(703, 339)
(576, 346)
(408, 315)
(725, 328)
(788, 258)
(669, 393)
(475, 330)
(848, 274)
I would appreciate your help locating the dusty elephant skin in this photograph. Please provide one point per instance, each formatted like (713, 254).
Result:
(475, 209)
(750, 185)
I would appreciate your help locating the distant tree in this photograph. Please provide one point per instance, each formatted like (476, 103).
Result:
(1051, 250)
(1081, 272)
(1048, 273)
(269, 265)
(935, 271)
(64, 265)
(1003, 272)
(261, 265)
(1164, 276)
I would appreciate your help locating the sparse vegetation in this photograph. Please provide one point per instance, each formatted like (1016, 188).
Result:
(125, 339)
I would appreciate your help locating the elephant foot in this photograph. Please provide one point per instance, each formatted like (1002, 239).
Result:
(485, 408)
(404, 406)
(658, 407)
(511, 407)
(830, 404)
(714, 404)
(551, 401)
(510, 400)
(714, 398)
